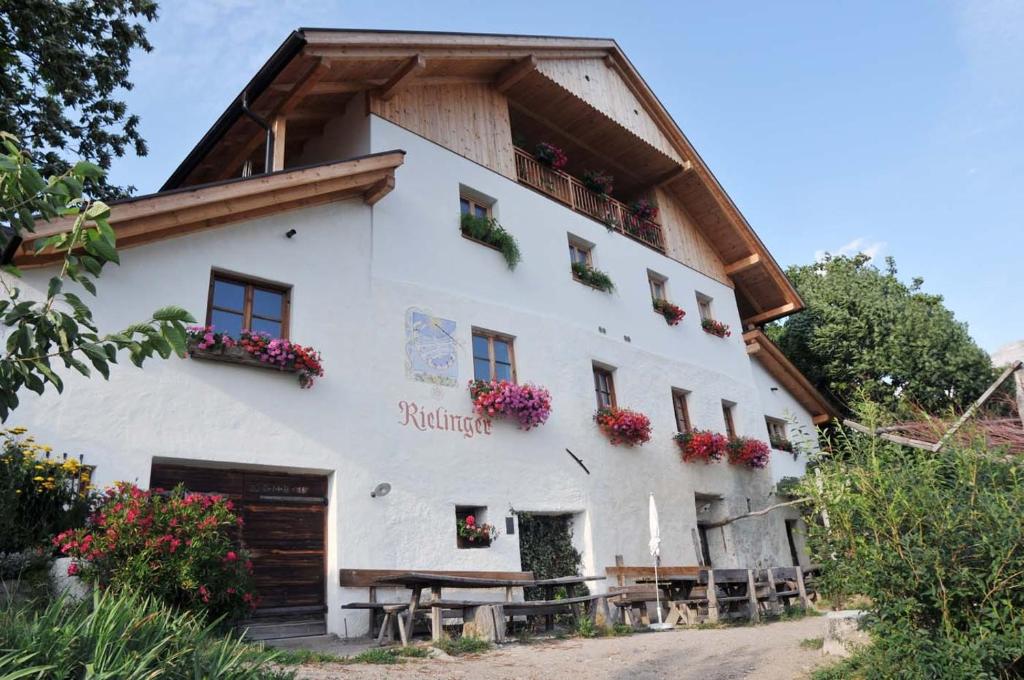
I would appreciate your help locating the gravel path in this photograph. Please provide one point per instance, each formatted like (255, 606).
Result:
(767, 652)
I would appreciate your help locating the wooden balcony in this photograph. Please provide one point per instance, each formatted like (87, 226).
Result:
(566, 189)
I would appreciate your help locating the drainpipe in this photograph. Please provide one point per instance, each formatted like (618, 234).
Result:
(268, 161)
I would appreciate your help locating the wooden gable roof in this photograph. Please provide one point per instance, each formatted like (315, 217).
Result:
(789, 376)
(586, 88)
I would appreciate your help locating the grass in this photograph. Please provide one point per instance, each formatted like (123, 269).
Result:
(387, 655)
(587, 629)
(462, 645)
(298, 657)
(812, 643)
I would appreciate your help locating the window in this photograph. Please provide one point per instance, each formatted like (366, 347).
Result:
(239, 304)
(579, 253)
(704, 305)
(473, 533)
(471, 206)
(604, 387)
(776, 429)
(492, 357)
(657, 282)
(681, 410)
(730, 426)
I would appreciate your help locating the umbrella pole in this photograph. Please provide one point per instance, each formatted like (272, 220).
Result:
(657, 589)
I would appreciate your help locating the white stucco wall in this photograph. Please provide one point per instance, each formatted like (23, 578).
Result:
(355, 271)
(800, 428)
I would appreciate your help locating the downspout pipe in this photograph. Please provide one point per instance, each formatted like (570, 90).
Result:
(268, 159)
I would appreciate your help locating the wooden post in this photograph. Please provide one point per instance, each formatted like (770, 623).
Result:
(549, 619)
(413, 602)
(373, 612)
(804, 600)
(773, 594)
(280, 127)
(712, 598)
(436, 619)
(752, 596)
(619, 563)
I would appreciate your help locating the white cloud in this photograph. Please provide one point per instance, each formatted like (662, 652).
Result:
(858, 245)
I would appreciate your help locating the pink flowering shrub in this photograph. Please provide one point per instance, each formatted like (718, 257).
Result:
(623, 426)
(750, 452)
(179, 547)
(204, 337)
(528, 404)
(702, 445)
(278, 352)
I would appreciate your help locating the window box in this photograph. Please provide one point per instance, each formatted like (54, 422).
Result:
(713, 327)
(470, 529)
(257, 350)
(702, 445)
(595, 278)
(673, 313)
(623, 426)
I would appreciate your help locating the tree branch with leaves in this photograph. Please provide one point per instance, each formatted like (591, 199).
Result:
(59, 328)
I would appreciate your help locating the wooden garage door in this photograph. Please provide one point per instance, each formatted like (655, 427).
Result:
(284, 531)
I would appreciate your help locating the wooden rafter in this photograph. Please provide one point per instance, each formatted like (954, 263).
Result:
(770, 314)
(514, 73)
(742, 264)
(409, 70)
(673, 174)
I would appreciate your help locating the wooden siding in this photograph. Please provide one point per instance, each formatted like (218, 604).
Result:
(593, 81)
(471, 120)
(683, 241)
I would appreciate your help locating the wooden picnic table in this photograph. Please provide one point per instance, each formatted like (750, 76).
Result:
(417, 582)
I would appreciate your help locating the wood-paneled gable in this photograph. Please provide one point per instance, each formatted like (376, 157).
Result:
(684, 242)
(470, 119)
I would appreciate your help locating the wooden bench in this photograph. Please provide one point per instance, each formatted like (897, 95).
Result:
(786, 584)
(370, 579)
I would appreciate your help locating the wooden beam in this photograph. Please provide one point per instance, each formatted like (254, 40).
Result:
(514, 73)
(742, 264)
(379, 190)
(896, 439)
(821, 419)
(279, 126)
(402, 76)
(674, 174)
(771, 313)
(981, 400)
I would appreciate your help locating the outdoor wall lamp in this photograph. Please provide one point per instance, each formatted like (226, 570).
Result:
(381, 490)
(290, 233)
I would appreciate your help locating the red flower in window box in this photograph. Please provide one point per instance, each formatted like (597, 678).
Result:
(529, 404)
(750, 452)
(715, 328)
(702, 445)
(623, 426)
(469, 530)
(673, 314)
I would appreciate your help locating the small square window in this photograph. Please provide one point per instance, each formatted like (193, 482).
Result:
(727, 414)
(776, 429)
(471, 206)
(658, 286)
(471, 527)
(604, 387)
(704, 305)
(579, 253)
(681, 409)
(493, 356)
(237, 303)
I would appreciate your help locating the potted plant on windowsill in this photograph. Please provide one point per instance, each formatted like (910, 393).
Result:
(715, 328)
(753, 453)
(256, 349)
(595, 278)
(623, 426)
(489, 232)
(673, 313)
(781, 444)
(473, 535)
(702, 445)
(528, 404)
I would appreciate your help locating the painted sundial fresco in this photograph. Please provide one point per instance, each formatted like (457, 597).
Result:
(431, 354)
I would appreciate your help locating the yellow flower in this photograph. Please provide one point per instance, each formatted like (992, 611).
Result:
(17, 491)
(18, 430)
(37, 479)
(46, 448)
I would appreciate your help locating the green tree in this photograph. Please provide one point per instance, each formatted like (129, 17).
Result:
(59, 326)
(63, 63)
(866, 334)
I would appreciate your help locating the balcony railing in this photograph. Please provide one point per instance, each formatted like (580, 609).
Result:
(567, 189)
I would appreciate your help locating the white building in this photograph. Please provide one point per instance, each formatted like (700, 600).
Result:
(352, 245)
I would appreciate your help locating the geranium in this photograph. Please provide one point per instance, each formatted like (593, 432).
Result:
(750, 452)
(643, 209)
(529, 404)
(781, 443)
(702, 445)
(598, 181)
(206, 338)
(715, 328)
(476, 533)
(550, 155)
(179, 547)
(284, 354)
(623, 426)
(673, 314)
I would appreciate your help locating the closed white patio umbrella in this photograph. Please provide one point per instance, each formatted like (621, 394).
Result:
(655, 547)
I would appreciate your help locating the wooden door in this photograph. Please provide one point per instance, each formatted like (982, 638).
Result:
(284, 531)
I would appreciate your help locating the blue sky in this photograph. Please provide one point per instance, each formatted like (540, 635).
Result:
(892, 128)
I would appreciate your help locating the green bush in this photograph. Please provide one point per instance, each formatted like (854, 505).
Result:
(462, 645)
(40, 495)
(119, 637)
(592, 277)
(179, 547)
(935, 543)
(489, 231)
